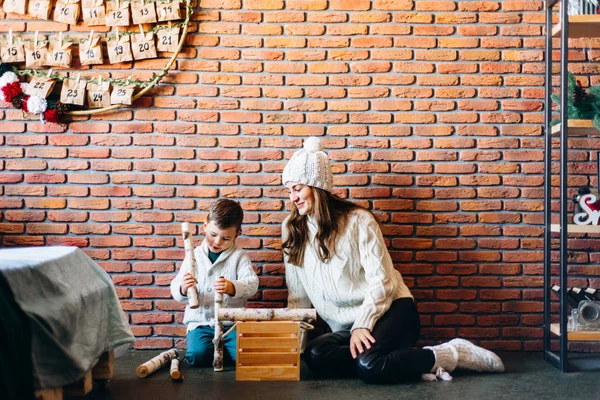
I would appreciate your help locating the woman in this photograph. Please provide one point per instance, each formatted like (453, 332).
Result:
(335, 258)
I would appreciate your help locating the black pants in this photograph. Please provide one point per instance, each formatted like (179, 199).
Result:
(391, 359)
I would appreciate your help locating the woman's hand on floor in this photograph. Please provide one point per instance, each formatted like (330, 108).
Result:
(360, 337)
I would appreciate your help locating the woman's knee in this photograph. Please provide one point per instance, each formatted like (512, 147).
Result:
(371, 368)
(324, 345)
(200, 356)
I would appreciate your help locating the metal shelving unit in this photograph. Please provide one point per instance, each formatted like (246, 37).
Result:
(568, 27)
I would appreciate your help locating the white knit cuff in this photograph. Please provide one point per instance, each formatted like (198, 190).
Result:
(365, 321)
(240, 288)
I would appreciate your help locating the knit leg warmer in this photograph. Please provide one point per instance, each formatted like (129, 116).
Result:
(446, 357)
(476, 358)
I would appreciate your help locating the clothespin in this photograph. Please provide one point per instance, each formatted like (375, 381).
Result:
(10, 37)
(117, 31)
(35, 43)
(90, 40)
(78, 79)
(60, 40)
(99, 82)
(170, 26)
(141, 30)
(49, 75)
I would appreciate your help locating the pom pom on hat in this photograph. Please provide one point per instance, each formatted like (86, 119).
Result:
(313, 144)
(309, 166)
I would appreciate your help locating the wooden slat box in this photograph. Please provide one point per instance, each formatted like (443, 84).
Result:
(268, 351)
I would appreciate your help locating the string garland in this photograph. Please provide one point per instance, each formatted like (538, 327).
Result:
(77, 40)
(50, 109)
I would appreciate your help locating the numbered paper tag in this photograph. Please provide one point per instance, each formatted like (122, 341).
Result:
(60, 53)
(168, 39)
(66, 11)
(122, 95)
(143, 12)
(143, 46)
(73, 92)
(98, 94)
(39, 8)
(40, 86)
(119, 50)
(15, 6)
(168, 11)
(12, 52)
(36, 56)
(117, 13)
(94, 12)
(90, 53)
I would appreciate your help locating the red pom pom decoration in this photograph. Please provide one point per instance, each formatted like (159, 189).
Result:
(11, 90)
(24, 104)
(51, 115)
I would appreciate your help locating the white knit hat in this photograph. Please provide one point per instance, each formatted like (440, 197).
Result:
(310, 166)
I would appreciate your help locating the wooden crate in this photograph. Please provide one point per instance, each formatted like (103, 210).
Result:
(268, 351)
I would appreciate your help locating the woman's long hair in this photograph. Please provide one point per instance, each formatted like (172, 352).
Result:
(330, 212)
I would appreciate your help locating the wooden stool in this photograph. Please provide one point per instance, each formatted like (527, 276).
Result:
(268, 351)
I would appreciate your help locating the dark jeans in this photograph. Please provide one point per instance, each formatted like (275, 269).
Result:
(391, 359)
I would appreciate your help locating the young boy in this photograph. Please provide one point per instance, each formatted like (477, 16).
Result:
(221, 267)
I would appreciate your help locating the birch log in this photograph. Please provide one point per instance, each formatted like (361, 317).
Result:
(175, 373)
(218, 339)
(192, 292)
(266, 314)
(156, 363)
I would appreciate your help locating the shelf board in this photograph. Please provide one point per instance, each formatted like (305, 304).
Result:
(576, 335)
(578, 128)
(573, 228)
(580, 26)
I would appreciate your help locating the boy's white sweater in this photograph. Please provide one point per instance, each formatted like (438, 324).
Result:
(356, 286)
(234, 265)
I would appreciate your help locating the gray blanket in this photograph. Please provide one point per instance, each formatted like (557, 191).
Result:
(74, 311)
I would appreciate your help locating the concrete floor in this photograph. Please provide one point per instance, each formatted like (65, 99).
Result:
(527, 376)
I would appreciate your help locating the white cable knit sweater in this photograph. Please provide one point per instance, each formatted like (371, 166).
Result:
(356, 286)
(234, 265)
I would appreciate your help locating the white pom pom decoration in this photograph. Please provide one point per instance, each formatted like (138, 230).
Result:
(8, 77)
(24, 86)
(313, 144)
(36, 105)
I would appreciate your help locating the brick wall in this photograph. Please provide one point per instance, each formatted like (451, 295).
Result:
(431, 112)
